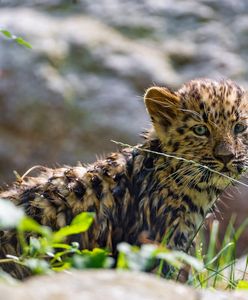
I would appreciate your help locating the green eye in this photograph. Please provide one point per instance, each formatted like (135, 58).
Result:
(239, 128)
(200, 130)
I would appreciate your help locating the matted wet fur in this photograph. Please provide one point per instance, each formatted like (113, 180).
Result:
(134, 190)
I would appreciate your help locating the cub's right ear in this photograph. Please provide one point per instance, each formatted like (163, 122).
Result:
(162, 106)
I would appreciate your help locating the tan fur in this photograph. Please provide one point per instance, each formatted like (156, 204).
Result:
(137, 190)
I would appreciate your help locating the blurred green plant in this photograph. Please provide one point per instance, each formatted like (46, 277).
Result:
(219, 265)
(45, 252)
(145, 257)
(19, 40)
(242, 285)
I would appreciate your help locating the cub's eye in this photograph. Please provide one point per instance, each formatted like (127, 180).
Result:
(200, 130)
(239, 128)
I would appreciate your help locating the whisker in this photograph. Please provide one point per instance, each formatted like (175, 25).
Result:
(162, 103)
(172, 176)
(183, 159)
(192, 112)
(194, 177)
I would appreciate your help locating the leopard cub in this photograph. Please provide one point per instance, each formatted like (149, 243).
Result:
(197, 144)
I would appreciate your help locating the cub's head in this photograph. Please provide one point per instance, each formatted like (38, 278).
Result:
(205, 121)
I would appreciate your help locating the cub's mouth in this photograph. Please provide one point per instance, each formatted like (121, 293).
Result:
(232, 169)
(225, 169)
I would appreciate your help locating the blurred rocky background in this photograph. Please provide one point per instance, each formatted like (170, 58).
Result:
(82, 83)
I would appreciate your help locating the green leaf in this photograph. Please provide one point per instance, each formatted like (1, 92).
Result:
(22, 42)
(79, 224)
(37, 266)
(34, 246)
(122, 262)
(242, 285)
(190, 260)
(97, 258)
(61, 246)
(171, 259)
(63, 267)
(57, 256)
(215, 258)
(212, 243)
(6, 33)
(85, 218)
(30, 225)
(135, 258)
(19, 40)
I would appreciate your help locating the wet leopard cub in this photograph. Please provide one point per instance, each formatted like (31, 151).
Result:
(134, 190)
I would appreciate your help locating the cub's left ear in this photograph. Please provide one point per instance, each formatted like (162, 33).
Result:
(162, 106)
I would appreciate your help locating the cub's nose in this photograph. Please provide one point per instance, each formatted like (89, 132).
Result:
(224, 152)
(225, 158)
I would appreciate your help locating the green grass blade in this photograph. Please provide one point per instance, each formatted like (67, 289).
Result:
(211, 253)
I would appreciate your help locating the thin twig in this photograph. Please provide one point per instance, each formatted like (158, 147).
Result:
(182, 159)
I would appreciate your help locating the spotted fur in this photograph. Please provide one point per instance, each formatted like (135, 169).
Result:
(137, 190)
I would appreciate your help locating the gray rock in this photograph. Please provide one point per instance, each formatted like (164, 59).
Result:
(98, 285)
(79, 87)
(218, 295)
(101, 285)
(82, 83)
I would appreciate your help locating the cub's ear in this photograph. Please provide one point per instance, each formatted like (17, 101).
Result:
(162, 106)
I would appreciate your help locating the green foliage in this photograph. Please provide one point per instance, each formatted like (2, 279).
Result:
(80, 223)
(219, 265)
(45, 251)
(144, 258)
(19, 40)
(242, 285)
(135, 258)
(97, 258)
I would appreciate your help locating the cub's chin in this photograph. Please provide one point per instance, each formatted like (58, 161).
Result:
(225, 177)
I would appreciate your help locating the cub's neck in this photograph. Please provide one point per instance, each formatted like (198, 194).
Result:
(170, 194)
